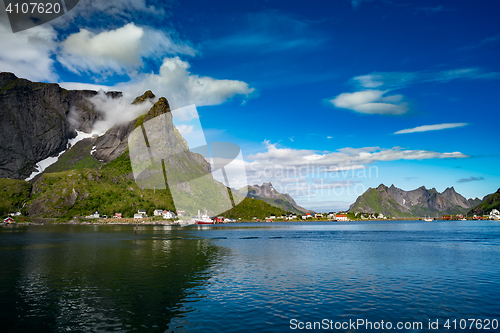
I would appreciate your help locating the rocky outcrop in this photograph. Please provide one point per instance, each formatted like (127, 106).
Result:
(269, 194)
(114, 142)
(36, 121)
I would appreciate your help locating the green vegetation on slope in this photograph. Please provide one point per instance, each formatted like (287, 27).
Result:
(250, 208)
(492, 202)
(14, 194)
(112, 189)
(78, 157)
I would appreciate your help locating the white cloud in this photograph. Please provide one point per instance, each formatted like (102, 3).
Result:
(184, 129)
(174, 82)
(118, 51)
(396, 80)
(182, 88)
(301, 162)
(427, 128)
(28, 53)
(371, 102)
(116, 111)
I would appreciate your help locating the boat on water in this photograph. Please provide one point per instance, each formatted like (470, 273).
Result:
(203, 219)
(428, 219)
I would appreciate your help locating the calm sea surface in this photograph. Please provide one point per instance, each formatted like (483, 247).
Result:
(267, 277)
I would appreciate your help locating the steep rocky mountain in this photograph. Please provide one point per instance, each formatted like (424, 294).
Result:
(96, 173)
(395, 202)
(36, 121)
(269, 194)
(491, 201)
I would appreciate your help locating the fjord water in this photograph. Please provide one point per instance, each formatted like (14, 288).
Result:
(246, 277)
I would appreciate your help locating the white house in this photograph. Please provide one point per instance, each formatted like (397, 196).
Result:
(380, 216)
(341, 217)
(158, 212)
(142, 212)
(96, 215)
(168, 214)
(495, 214)
(138, 216)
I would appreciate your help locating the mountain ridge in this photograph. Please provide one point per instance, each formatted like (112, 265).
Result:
(395, 202)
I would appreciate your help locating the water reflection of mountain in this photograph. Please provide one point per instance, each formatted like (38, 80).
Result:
(81, 279)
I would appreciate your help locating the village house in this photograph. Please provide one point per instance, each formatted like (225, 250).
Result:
(341, 217)
(168, 214)
(138, 216)
(118, 215)
(9, 220)
(158, 212)
(330, 215)
(180, 213)
(96, 215)
(142, 212)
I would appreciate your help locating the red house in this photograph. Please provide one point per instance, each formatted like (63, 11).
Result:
(8, 220)
(118, 215)
(218, 219)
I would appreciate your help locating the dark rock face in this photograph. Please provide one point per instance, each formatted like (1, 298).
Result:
(114, 142)
(36, 121)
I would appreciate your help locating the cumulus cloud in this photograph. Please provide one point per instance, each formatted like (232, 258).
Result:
(343, 159)
(118, 51)
(371, 102)
(471, 179)
(182, 88)
(427, 128)
(28, 53)
(174, 82)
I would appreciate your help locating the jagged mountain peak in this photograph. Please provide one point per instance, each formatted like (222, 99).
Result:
(148, 95)
(421, 201)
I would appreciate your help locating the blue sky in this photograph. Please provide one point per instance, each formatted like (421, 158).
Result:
(300, 86)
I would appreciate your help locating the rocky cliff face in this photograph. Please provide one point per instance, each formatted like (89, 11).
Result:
(36, 121)
(393, 201)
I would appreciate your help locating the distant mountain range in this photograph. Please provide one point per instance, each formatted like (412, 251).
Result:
(266, 192)
(395, 202)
